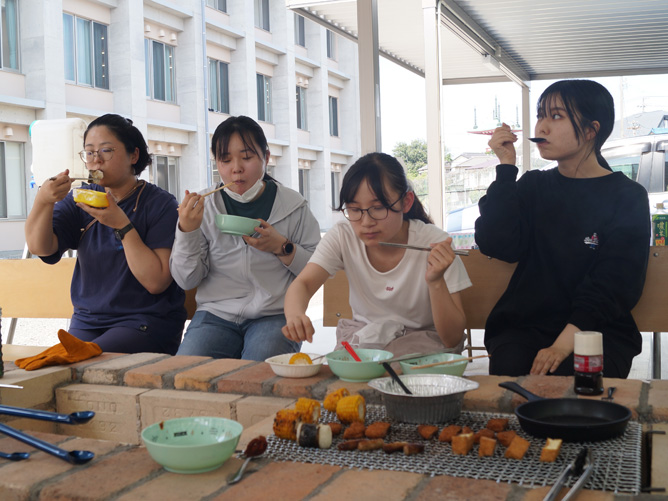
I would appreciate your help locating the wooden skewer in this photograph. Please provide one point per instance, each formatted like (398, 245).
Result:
(449, 362)
(218, 189)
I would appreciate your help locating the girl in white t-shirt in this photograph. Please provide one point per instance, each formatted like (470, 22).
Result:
(403, 300)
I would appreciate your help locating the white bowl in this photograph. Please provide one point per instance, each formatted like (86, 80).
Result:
(281, 366)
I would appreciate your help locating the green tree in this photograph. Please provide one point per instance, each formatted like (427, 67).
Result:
(413, 154)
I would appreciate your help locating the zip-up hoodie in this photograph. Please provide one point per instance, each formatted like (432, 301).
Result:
(235, 281)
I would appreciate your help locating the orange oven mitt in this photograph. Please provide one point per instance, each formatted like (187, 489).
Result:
(69, 350)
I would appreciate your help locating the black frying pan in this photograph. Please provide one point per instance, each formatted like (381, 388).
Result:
(571, 419)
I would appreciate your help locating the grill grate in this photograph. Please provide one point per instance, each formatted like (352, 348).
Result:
(617, 460)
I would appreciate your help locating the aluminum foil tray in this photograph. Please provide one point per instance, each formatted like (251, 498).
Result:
(436, 398)
(617, 460)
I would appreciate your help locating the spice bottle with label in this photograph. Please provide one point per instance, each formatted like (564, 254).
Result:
(588, 357)
(660, 225)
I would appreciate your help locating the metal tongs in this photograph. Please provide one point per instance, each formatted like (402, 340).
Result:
(582, 466)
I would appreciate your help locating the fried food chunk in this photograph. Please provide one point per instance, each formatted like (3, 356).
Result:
(370, 445)
(505, 437)
(394, 447)
(427, 431)
(410, 449)
(466, 429)
(348, 445)
(355, 430)
(487, 446)
(336, 428)
(462, 443)
(517, 448)
(351, 408)
(285, 424)
(485, 432)
(448, 432)
(497, 424)
(331, 399)
(550, 450)
(379, 429)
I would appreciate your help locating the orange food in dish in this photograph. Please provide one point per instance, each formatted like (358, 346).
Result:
(517, 448)
(90, 197)
(300, 359)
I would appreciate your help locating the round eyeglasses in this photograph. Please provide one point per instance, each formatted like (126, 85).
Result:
(377, 213)
(105, 154)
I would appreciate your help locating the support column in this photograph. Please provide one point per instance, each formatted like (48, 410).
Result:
(433, 79)
(367, 29)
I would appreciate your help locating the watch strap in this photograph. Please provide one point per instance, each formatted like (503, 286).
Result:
(120, 234)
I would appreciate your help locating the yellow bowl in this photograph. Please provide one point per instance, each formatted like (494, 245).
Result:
(90, 197)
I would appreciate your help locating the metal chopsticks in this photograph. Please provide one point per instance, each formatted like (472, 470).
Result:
(459, 252)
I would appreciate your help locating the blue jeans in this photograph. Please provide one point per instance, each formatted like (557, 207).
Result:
(258, 339)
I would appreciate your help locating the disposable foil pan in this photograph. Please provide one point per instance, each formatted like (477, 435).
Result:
(436, 398)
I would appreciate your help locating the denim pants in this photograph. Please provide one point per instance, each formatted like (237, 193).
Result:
(257, 339)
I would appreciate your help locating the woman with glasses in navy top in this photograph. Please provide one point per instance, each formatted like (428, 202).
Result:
(123, 294)
(403, 300)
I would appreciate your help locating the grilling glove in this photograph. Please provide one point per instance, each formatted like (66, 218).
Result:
(69, 350)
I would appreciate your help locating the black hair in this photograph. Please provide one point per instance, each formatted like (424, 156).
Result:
(251, 134)
(127, 134)
(378, 169)
(585, 101)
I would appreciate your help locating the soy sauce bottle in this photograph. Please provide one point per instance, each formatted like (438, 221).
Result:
(588, 358)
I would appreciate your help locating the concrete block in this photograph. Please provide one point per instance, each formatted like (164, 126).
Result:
(252, 410)
(159, 405)
(116, 411)
(112, 371)
(38, 386)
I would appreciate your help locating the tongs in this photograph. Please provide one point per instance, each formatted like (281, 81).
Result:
(582, 466)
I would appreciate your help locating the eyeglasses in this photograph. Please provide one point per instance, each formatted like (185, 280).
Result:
(105, 154)
(377, 213)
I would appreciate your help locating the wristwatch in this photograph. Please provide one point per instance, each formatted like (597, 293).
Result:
(121, 233)
(287, 248)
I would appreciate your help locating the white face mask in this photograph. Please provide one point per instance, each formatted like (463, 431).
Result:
(247, 196)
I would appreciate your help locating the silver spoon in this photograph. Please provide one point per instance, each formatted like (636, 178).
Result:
(255, 448)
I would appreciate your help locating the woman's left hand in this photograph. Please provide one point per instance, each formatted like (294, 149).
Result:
(548, 360)
(440, 258)
(112, 216)
(269, 240)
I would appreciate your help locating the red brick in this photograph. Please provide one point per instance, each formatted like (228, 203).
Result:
(446, 488)
(281, 481)
(79, 367)
(367, 484)
(105, 477)
(658, 399)
(253, 380)
(203, 377)
(487, 398)
(38, 386)
(111, 371)
(584, 495)
(160, 375)
(303, 387)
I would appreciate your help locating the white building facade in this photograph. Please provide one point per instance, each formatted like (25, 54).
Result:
(178, 68)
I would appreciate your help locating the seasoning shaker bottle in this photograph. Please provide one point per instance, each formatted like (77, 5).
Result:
(588, 357)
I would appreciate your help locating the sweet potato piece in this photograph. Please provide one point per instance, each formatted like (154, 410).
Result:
(410, 449)
(427, 431)
(336, 428)
(505, 437)
(355, 430)
(497, 424)
(448, 432)
(487, 446)
(370, 445)
(485, 432)
(348, 445)
(394, 447)
(377, 430)
(517, 448)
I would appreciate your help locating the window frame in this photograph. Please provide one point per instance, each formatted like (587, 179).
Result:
(10, 46)
(221, 86)
(264, 99)
(300, 30)
(304, 182)
(302, 108)
(331, 45)
(173, 171)
(335, 188)
(216, 4)
(168, 52)
(262, 15)
(333, 116)
(19, 185)
(92, 36)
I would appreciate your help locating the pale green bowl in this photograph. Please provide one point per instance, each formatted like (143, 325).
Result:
(192, 444)
(342, 364)
(236, 225)
(454, 369)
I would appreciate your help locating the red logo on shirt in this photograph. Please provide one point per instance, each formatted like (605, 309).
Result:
(390, 289)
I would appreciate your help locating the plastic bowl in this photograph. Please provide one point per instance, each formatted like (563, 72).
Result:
(343, 365)
(281, 366)
(192, 444)
(90, 197)
(236, 225)
(454, 369)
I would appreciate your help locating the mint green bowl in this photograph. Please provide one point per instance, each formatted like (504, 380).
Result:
(236, 225)
(454, 369)
(342, 364)
(192, 444)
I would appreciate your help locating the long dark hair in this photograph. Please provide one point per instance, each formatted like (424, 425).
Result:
(127, 134)
(378, 169)
(585, 101)
(251, 134)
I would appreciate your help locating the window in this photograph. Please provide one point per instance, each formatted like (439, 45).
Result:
(262, 14)
(331, 45)
(336, 188)
(9, 57)
(159, 71)
(164, 173)
(301, 108)
(300, 34)
(304, 187)
(219, 90)
(220, 5)
(85, 50)
(12, 181)
(263, 98)
(333, 116)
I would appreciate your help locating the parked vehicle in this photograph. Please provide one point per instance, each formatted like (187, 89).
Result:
(643, 159)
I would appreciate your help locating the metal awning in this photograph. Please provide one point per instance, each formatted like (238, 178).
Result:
(501, 40)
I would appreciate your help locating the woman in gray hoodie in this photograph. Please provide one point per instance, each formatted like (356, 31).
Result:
(241, 280)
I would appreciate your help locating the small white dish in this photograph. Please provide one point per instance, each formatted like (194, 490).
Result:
(281, 366)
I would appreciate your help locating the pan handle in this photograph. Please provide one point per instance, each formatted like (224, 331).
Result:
(514, 387)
